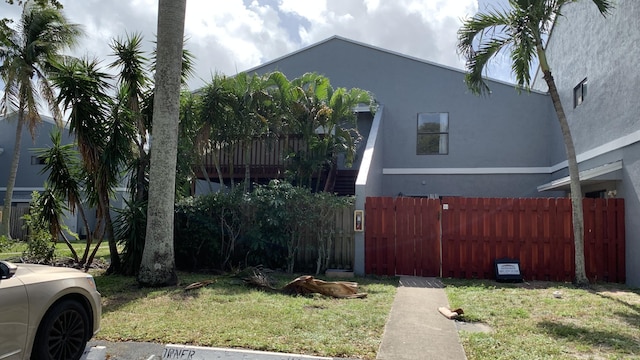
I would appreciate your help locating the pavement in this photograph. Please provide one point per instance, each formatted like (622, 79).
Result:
(415, 330)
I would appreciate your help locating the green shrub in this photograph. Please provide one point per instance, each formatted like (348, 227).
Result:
(5, 243)
(264, 227)
(40, 248)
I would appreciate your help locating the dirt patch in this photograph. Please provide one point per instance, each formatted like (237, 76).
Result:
(473, 327)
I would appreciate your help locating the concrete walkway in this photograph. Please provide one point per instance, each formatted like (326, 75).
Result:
(416, 329)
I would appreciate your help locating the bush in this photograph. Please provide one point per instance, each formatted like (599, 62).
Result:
(40, 248)
(264, 227)
(5, 243)
(197, 233)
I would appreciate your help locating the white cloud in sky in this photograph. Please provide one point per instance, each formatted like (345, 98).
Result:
(228, 36)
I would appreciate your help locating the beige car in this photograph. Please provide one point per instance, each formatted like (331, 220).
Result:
(46, 312)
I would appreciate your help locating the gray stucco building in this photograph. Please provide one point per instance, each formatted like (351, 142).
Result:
(508, 144)
(594, 63)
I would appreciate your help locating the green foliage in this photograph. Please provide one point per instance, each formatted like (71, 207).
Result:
(280, 215)
(5, 243)
(130, 229)
(40, 248)
(266, 226)
(197, 233)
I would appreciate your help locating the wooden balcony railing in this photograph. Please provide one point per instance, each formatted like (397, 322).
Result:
(266, 158)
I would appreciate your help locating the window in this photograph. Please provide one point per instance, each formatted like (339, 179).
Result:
(433, 134)
(37, 160)
(579, 93)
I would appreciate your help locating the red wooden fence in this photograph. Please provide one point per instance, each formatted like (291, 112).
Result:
(402, 236)
(477, 231)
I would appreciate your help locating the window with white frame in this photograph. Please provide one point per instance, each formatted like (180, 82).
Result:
(433, 134)
(579, 93)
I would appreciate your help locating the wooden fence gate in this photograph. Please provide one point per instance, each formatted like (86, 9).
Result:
(462, 237)
(402, 236)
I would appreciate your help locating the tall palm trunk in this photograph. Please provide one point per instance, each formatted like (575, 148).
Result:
(11, 182)
(158, 259)
(574, 176)
(577, 214)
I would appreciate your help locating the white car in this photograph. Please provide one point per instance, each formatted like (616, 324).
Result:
(46, 313)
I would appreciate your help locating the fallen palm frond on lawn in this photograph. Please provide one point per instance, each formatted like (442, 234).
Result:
(199, 284)
(307, 284)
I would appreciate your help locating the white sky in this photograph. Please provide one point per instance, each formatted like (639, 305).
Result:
(228, 36)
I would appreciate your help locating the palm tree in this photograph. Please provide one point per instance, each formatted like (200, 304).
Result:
(26, 53)
(83, 91)
(135, 86)
(523, 29)
(62, 167)
(158, 260)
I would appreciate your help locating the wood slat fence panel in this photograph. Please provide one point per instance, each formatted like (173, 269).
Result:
(379, 236)
(538, 232)
(341, 248)
(477, 231)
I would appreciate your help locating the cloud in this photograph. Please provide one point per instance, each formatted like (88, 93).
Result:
(227, 36)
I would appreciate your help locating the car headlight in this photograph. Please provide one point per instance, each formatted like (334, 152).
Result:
(92, 282)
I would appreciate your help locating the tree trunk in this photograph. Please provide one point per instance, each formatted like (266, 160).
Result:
(158, 260)
(5, 229)
(115, 266)
(247, 165)
(576, 189)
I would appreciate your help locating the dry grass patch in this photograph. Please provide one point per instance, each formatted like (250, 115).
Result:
(529, 322)
(226, 313)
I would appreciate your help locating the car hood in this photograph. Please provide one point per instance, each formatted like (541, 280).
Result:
(32, 273)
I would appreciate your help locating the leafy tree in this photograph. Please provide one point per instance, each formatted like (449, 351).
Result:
(53, 3)
(26, 53)
(158, 261)
(64, 182)
(187, 141)
(522, 30)
(215, 132)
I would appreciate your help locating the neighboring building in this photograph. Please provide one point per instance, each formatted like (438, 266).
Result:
(594, 63)
(28, 178)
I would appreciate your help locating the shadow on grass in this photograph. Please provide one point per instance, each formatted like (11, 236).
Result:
(592, 337)
(632, 318)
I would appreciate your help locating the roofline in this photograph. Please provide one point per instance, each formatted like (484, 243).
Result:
(377, 48)
(45, 118)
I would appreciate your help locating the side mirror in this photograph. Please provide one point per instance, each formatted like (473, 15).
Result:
(7, 270)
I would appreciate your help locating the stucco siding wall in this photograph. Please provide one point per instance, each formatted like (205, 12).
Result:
(629, 189)
(28, 176)
(506, 129)
(605, 51)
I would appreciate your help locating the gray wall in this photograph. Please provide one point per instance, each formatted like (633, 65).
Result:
(606, 127)
(28, 178)
(504, 130)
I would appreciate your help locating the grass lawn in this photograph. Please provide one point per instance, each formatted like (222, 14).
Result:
(62, 250)
(229, 314)
(529, 322)
(526, 320)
